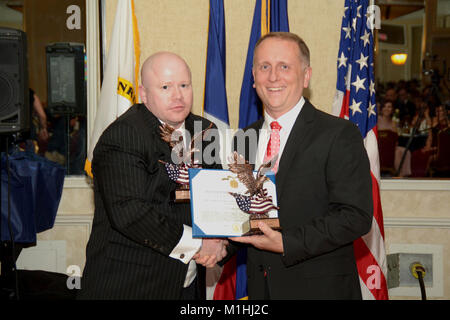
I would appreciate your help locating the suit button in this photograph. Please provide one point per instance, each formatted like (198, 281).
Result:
(182, 256)
(146, 242)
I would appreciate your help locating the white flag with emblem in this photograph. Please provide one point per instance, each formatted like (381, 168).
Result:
(120, 81)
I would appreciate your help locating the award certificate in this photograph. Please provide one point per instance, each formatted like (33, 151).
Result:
(215, 212)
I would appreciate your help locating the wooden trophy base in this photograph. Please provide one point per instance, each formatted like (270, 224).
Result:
(182, 194)
(274, 223)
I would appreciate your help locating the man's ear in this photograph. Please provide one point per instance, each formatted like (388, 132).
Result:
(253, 73)
(308, 73)
(143, 94)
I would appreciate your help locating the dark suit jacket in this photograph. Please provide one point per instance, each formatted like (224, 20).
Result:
(325, 198)
(135, 226)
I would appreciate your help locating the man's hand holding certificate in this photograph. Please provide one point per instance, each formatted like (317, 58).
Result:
(270, 240)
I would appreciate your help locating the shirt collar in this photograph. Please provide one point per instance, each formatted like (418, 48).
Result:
(181, 128)
(287, 120)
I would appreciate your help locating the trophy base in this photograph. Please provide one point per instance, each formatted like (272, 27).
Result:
(182, 195)
(273, 223)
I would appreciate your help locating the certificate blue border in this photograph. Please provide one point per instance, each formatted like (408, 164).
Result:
(197, 232)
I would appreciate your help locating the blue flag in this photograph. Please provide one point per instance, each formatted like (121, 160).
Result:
(250, 107)
(215, 101)
(278, 16)
(234, 275)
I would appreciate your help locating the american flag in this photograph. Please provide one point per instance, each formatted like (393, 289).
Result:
(254, 204)
(355, 100)
(178, 172)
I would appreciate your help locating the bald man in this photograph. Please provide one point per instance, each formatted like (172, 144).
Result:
(141, 244)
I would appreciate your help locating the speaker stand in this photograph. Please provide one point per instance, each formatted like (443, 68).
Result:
(68, 116)
(9, 250)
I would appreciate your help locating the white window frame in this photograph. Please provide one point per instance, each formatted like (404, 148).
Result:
(93, 81)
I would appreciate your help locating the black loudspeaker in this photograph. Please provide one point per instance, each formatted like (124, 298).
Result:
(14, 90)
(66, 78)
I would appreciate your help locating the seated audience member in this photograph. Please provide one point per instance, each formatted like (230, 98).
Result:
(405, 104)
(439, 161)
(440, 121)
(422, 158)
(421, 114)
(391, 95)
(385, 122)
(385, 117)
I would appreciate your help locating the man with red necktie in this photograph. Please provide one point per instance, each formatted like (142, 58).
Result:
(323, 183)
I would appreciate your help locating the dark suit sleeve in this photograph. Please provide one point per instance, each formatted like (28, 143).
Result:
(350, 209)
(123, 174)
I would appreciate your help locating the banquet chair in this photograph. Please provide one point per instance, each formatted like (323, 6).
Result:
(387, 142)
(440, 165)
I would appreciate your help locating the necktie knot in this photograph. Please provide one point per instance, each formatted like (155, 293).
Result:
(275, 126)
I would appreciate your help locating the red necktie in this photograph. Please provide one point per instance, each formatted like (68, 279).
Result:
(273, 147)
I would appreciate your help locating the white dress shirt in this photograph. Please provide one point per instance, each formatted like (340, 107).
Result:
(286, 122)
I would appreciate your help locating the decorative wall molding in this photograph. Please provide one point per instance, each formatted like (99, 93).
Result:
(77, 182)
(47, 255)
(75, 220)
(415, 184)
(409, 222)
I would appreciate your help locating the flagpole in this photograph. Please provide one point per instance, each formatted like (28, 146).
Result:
(93, 64)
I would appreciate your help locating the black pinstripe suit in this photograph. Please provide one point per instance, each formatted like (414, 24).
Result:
(136, 226)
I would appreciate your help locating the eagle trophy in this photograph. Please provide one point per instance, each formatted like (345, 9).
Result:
(244, 171)
(175, 140)
(257, 204)
(183, 160)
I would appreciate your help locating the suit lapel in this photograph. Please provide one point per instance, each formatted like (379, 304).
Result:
(301, 133)
(189, 125)
(251, 151)
(152, 123)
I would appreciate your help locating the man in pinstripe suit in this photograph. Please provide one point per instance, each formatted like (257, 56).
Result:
(141, 245)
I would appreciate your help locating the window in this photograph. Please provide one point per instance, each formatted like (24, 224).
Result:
(412, 95)
(56, 60)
